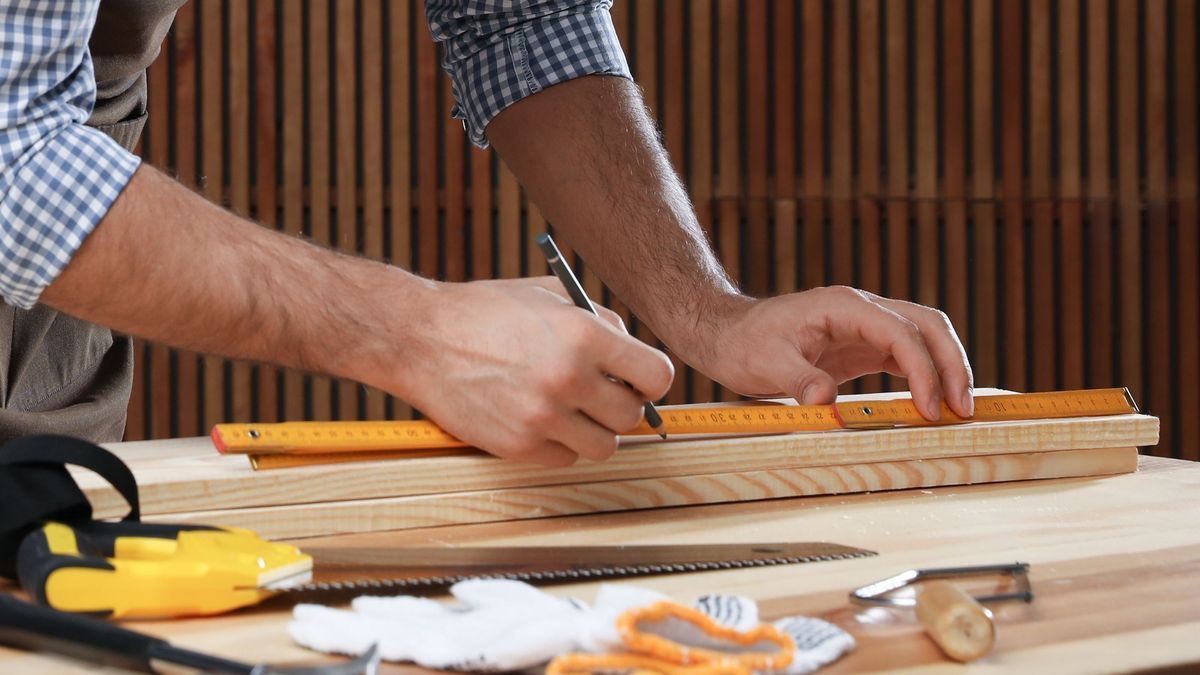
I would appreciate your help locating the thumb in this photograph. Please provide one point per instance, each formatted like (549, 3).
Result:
(810, 385)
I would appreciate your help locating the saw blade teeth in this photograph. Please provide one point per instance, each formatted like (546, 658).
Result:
(642, 569)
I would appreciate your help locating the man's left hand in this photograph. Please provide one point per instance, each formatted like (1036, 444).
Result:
(805, 344)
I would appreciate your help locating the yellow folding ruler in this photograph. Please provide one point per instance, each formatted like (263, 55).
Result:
(302, 443)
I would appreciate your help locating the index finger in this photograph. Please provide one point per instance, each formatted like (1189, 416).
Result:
(947, 351)
(643, 367)
(897, 336)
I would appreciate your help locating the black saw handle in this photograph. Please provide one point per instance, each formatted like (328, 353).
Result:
(41, 629)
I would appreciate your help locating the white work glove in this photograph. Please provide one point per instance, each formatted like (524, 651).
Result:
(505, 625)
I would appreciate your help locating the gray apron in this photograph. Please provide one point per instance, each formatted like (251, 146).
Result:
(59, 374)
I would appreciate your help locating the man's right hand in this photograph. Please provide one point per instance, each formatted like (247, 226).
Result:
(509, 366)
(512, 367)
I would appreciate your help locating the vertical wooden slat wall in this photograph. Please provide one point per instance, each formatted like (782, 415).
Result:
(1029, 166)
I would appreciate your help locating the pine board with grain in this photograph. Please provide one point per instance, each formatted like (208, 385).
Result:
(525, 503)
(185, 475)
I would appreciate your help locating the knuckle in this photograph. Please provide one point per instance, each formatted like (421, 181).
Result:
(560, 379)
(578, 332)
(602, 448)
(847, 292)
(559, 460)
(538, 416)
(663, 373)
(517, 449)
(631, 416)
(942, 319)
(926, 378)
(911, 330)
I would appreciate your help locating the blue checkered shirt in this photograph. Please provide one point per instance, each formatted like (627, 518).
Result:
(58, 178)
(500, 51)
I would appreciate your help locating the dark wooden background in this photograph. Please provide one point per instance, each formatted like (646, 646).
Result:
(1031, 167)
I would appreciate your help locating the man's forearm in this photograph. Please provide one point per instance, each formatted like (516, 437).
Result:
(169, 266)
(587, 153)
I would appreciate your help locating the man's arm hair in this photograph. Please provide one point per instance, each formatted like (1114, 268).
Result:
(167, 265)
(587, 153)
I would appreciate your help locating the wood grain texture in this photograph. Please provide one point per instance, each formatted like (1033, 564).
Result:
(812, 141)
(841, 149)
(1129, 230)
(956, 255)
(896, 64)
(525, 503)
(1072, 291)
(1043, 293)
(925, 103)
(1118, 586)
(188, 475)
(983, 338)
(1101, 306)
(1187, 81)
(1011, 62)
(1157, 306)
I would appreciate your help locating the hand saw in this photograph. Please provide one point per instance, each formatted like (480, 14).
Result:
(374, 569)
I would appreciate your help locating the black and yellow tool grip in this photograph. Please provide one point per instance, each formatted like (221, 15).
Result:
(84, 550)
(148, 570)
(49, 549)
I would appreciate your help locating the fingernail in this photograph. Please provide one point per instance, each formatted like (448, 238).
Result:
(968, 401)
(809, 394)
(934, 409)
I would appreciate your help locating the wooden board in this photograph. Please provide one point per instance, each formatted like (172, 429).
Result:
(188, 475)
(482, 506)
(1115, 564)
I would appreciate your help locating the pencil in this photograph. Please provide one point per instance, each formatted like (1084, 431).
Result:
(564, 273)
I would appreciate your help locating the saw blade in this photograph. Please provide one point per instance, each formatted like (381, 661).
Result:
(395, 569)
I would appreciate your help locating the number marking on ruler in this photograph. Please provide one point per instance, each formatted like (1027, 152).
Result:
(346, 437)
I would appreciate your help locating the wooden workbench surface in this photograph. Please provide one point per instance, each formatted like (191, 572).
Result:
(1115, 567)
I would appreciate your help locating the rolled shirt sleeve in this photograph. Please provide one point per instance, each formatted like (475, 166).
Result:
(497, 52)
(58, 178)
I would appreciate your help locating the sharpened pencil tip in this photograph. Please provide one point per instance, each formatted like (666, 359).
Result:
(663, 434)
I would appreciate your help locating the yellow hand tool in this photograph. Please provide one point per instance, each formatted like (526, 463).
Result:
(147, 570)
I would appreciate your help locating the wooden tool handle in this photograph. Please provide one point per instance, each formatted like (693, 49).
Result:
(955, 621)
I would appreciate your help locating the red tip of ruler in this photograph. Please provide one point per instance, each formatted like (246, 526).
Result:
(218, 440)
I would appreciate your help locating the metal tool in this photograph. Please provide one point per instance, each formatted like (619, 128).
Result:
(877, 593)
(955, 621)
(322, 442)
(36, 628)
(149, 570)
(353, 569)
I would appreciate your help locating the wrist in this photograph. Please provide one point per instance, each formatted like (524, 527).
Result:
(700, 331)
(387, 333)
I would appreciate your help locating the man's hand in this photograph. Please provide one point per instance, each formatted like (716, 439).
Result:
(514, 368)
(589, 156)
(510, 366)
(805, 344)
